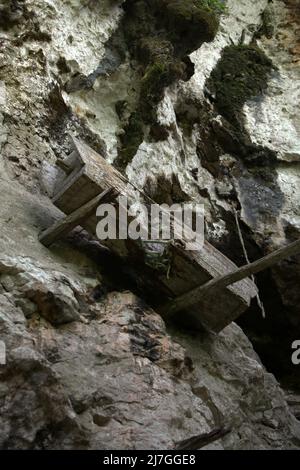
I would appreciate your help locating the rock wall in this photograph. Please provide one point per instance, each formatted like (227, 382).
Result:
(89, 365)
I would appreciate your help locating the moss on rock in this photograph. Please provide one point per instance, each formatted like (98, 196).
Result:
(189, 23)
(160, 34)
(241, 74)
(131, 139)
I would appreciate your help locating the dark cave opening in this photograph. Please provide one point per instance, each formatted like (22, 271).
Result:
(272, 337)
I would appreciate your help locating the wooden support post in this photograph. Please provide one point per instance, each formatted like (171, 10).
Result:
(199, 293)
(65, 225)
(197, 442)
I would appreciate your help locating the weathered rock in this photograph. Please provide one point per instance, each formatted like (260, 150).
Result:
(293, 400)
(120, 381)
(94, 371)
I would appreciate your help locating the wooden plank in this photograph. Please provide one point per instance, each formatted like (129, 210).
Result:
(188, 269)
(212, 261)
(202, 440)
(91, 175)
(62, 227)
(213, 286)
(69, 163)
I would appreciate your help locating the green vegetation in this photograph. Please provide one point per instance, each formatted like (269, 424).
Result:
(160, 34)
(241, 74)
(267, 23)
(131, 140)
(217, 6)
(189, 23)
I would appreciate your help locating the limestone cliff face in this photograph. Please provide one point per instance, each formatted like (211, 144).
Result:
(208, 112)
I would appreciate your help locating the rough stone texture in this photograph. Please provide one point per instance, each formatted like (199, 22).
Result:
(293, 401)
(268, 196)
(87, 370)
(117, 380)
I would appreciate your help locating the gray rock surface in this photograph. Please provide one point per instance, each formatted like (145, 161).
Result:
(117, 380)
(87, 371)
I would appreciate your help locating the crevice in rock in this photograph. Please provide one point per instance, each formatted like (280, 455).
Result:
(114, 56)
(272, 337)
(165, 190)
(61, 121)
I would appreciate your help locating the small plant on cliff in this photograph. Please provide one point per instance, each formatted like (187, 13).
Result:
(160, 35)
(218, 6)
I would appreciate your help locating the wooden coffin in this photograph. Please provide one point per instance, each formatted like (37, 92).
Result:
(91, 179)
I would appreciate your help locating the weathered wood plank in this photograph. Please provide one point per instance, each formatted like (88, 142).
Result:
(65, 225)
(202, 440)
(214, 285)
(188, 269)
(92, 174)
(69, 163)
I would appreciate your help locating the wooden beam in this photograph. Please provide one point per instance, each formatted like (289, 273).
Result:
(186, 269)
(67, 164)
(197, 442)
(65, 225)
(214, 285)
